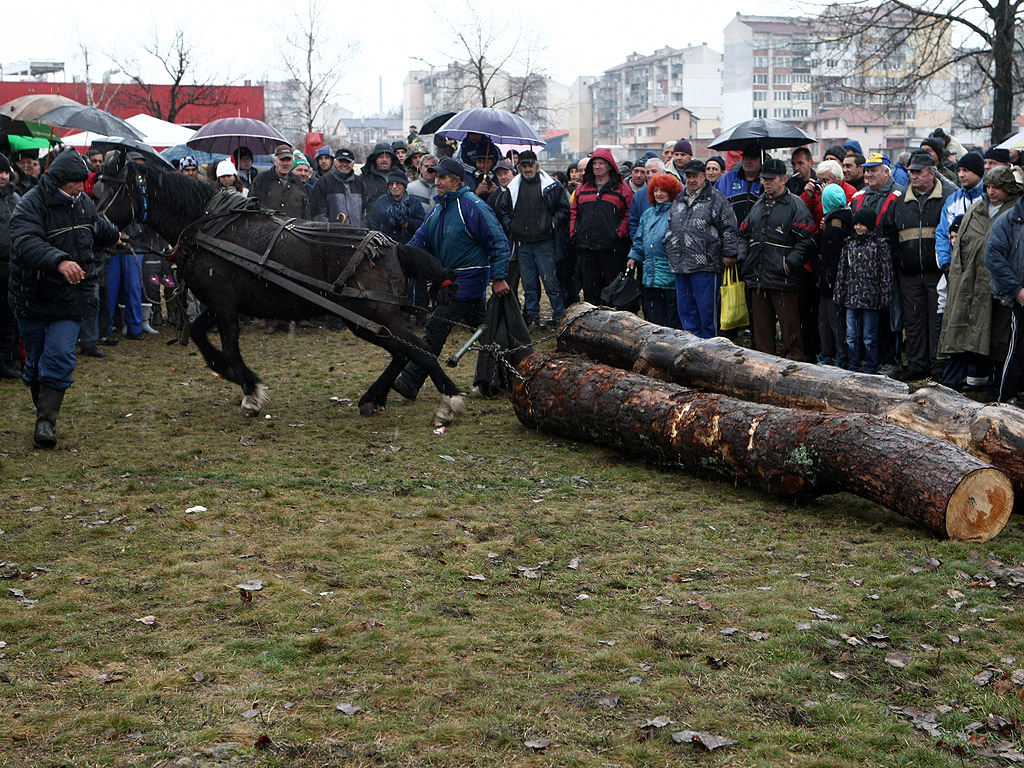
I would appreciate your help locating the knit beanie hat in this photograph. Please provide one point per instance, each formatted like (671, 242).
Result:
(398, 176)
(973, 162)
(5, 164)
(865, 216)
(832, 198)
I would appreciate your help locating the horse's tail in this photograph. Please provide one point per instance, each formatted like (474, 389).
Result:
(420, 264)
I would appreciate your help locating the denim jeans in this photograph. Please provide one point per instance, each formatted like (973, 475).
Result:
(862, 332)
(124, 282)
(536, 265)
(699, 303)
(49, 351)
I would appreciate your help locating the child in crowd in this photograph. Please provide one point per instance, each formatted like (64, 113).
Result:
(836, 226)
(864, 285)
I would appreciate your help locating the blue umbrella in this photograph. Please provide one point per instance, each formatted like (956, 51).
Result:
(175, 153)
(502, 127)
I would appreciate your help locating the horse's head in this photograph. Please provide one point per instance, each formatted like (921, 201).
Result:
(118, 190)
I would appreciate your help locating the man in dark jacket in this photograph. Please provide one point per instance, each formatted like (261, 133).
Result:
(9, 198)
(910, 225)
(338, 196)
(534, 210)
(776, 241)
(742, 186)
(374, 173)
(280, 190)
(1004, 260)
(599, 222)
(53, 272)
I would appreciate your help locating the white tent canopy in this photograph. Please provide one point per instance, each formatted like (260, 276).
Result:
(156, 132)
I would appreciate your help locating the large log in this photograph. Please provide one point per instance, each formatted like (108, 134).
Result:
(790, 452)
(992, 432)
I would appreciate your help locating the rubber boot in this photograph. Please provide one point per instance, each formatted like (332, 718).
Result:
(47, 408)
(147, 312)
(34, 389)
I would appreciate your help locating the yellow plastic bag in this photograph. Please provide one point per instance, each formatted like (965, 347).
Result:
(734, 300)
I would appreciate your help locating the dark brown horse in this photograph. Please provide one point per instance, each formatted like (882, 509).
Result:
(174, 206)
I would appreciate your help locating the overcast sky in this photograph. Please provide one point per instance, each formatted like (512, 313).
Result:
(240, 41)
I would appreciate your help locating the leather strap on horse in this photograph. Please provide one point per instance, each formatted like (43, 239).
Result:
(371, 242)
(285, 278)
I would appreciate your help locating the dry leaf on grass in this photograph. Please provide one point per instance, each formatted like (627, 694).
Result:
(707, 740)
(249, 714)
(898, 659)
(147, 620)
(538, 745)
(348, 709)
(657, 722)
(611, 702)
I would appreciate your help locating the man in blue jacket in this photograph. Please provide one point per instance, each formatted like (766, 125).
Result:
(463, 232)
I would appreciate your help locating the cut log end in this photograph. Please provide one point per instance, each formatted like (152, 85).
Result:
(980, 506)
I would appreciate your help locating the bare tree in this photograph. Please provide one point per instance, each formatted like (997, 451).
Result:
(188, 86)
(108, 90)
(315, 64)
(882, 37)
(497, 63)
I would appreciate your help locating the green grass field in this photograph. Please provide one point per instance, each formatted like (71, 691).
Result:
(475, 594)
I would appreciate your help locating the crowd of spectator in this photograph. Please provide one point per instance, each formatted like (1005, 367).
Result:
(911, 267)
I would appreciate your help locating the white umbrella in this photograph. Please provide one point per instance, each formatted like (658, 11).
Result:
(1014, 142)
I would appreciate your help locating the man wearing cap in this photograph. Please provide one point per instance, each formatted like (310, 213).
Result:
(188, 166)
(970, 169)
(464, 234)
(936, 147)
(910, 224)
(374, 173)
(280, 190)
(742, 186)
(995, 157)
(1004, 259)
(247, 173)
(338, 196)
(682, 153)
(975, 328)
(701, 241)
(324, 159)
(775, 242)
(26, 178)
(53, 276)
(534, 210)
(396, 214)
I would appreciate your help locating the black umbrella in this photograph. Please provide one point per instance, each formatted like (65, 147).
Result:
(226, 135)
(434, 122)
(133, 145)
(84, 118)
(761, 132)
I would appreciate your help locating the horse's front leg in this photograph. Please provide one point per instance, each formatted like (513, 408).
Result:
(254, 394)
(214, 358)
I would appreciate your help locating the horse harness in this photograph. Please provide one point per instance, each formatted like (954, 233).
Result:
(224, 209)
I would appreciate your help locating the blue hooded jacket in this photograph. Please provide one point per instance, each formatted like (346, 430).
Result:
(463, 232)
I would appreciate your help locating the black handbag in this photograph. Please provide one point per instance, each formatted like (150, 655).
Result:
(624, 292)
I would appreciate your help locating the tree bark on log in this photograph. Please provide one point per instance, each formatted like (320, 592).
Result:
(992, 432)
(789, 452)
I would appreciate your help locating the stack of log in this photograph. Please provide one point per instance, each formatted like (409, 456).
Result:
(793, 429)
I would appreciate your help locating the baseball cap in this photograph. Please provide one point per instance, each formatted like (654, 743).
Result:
(527, 156)
(920, 160)
(877, 158)
(345, 154)
(283, 150)
(694, 166)
(772, 168)
(449, 166)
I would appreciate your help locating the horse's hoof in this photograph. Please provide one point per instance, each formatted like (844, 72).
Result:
(369, 408)
(253, 404)
(451, 408)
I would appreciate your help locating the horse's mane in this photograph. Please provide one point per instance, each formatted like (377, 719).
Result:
(189, 196)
